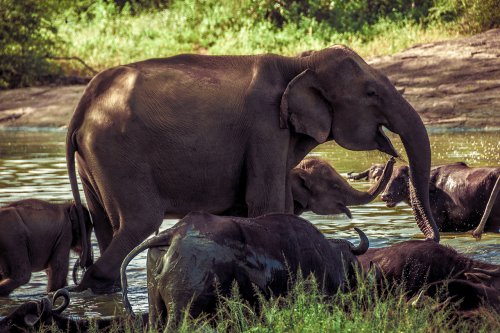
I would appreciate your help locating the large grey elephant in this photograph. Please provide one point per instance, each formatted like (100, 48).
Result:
(204, 254)
(164, 137)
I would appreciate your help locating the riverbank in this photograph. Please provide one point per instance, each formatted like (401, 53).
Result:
(452, 84)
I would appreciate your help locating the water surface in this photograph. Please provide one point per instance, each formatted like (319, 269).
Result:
(32, 165)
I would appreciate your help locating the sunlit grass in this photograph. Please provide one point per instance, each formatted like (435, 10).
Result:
(109, 39)
(307, 309)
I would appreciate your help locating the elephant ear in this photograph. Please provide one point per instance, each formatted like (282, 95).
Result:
(300, 186)
(305, 108)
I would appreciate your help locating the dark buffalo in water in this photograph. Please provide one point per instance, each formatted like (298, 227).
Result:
(202, 251)
(43, 316)
(373, 173)
(460, 196)
(423, 264)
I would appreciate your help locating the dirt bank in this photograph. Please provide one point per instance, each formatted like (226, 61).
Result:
(453, 83)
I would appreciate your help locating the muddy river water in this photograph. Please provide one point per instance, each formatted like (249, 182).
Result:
(32, 165)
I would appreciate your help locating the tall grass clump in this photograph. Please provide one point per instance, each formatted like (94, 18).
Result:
(366, 308)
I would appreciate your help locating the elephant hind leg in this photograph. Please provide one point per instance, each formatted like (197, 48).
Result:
(138, 215)
(101, 223)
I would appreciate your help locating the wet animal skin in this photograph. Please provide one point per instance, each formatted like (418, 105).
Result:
(202, 251)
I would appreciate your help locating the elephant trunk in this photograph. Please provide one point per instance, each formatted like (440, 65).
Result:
(356, 197)
(414, 136)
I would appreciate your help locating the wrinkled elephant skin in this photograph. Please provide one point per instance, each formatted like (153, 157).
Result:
(371, 174)
(203, 252)
(164, 137)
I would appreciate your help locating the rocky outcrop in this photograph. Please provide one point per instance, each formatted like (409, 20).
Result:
(453, 83)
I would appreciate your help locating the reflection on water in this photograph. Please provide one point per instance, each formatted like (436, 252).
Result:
(32, 165)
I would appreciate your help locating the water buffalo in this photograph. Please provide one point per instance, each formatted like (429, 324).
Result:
(202, 251)
(35, 315)
(458, 194)
(373, 173)
(421, 264)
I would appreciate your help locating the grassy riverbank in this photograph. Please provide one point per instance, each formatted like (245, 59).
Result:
(305, 309)
(104, 33)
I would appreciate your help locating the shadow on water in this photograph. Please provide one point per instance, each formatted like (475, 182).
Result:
(33, 165)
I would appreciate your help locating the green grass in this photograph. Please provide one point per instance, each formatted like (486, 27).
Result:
(306, 309)
(110, 38)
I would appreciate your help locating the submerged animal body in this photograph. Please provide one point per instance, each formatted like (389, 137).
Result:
(421, 264)
(458, 195)
(203, 252)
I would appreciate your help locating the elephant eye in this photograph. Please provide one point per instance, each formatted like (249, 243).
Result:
(371, 93)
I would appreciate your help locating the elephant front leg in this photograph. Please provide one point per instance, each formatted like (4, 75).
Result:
(267, 190)
(17, 273)
(57, 270)
(8, 285)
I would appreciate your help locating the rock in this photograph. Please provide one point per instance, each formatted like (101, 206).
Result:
(453, 83)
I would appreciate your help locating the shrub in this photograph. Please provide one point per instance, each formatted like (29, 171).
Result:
(27, 35)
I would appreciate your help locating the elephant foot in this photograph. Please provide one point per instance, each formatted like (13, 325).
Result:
(97, 285)
(98, 288)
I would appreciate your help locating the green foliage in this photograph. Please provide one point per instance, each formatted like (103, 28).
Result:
(110, 32)
(106, 35)
(480, 15)
(365, 309)
(27, 35)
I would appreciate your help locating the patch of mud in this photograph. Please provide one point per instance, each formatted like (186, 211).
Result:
(452, 84)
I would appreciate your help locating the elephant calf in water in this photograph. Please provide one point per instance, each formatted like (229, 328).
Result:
(422, 264)
(202, 251)
(461, 197)
(318, 187)
(37, 235)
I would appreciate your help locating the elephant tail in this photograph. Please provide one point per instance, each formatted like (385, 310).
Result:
(71, 149)
(163, 239)
(491, 201)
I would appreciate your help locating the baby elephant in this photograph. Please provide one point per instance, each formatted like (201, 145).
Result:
(37, 235)
(204, 252)
(319, 188)
(423, 264)
(460, 196)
